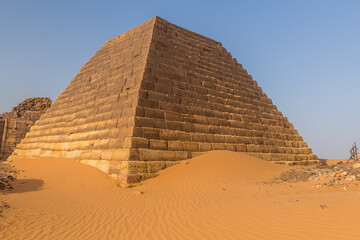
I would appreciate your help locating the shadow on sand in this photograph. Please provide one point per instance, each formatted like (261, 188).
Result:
(25, 185)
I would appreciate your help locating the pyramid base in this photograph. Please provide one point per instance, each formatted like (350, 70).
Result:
(131, 166)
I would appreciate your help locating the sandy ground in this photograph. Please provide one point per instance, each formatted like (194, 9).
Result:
(220, 195)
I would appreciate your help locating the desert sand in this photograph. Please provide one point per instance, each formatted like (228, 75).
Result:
(219, 195)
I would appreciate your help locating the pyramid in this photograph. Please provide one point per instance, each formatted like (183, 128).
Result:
(158, 94)
(15, 124)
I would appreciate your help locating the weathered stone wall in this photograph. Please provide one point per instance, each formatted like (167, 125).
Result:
(158, 94)
(15, 124)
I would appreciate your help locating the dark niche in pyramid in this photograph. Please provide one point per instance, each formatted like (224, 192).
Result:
(158, 94)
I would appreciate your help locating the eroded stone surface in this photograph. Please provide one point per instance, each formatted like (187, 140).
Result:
(15, 124)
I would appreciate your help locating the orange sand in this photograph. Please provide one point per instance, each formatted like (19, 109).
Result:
(220, 195)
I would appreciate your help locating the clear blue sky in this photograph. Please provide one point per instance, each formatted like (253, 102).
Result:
(304, 54)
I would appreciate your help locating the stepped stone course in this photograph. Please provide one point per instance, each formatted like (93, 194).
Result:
(158, 94)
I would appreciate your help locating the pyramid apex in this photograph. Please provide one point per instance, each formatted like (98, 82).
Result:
(157, 18)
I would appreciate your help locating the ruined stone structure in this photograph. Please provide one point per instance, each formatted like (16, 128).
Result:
(158, 94)
(15, 124)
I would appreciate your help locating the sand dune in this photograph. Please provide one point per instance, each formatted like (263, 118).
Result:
(220, 195)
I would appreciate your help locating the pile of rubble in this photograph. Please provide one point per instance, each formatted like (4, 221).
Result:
(7, 175)
(341, 174)
(36, 104)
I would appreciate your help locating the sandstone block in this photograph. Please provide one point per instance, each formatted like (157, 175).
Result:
(150, 133)
(144, 122)
(73, 154)
(202, 120)
(148, 155)
(201, 128)
(55, 154)
(158, 144)
(240, 148)
(182, 155)
(118, 154)
(167, 155)
(218, 146)
(167, 135)
(159, 124)
(136, 142)
(188, 127)
(155, 166)
(198, 137)
(106, 155)
(154, 113)
(191, 146)
(230, 147)
(133, 167)
(205, 146)
(182, 136)
(175, 145)
(176, 126)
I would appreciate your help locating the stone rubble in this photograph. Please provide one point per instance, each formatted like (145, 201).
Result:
(30, 108)
(15, 124)
(7, 175)
(342, 174)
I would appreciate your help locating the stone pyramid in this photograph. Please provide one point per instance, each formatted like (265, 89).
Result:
(158, 94)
